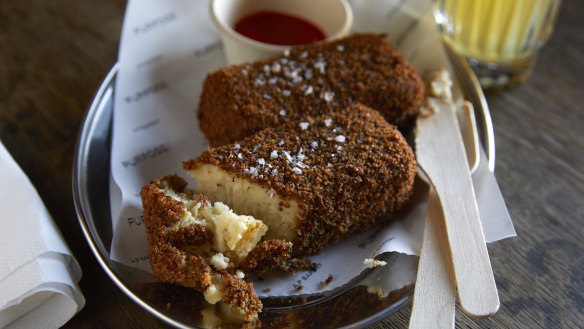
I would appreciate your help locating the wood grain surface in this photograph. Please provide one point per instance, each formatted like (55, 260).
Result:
(54, 55)
(441, 154)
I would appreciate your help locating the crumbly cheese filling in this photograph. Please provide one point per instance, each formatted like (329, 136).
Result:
(281, 216)
(234, 236)
(372, 262)
(440, 84)
(214, 295)
(214, 292)
(219, 261)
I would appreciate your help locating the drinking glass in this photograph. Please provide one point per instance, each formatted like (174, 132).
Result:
(499, 38)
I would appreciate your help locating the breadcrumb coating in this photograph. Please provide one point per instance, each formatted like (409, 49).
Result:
(168, 262)
(177, 252)
(311, 80)
(267, 256)
(348, 171)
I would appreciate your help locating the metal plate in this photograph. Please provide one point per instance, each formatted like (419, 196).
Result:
(351, 307)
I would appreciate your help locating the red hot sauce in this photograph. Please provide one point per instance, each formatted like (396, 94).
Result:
(278, 29)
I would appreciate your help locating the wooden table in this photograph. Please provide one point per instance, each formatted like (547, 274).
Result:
(54, 54)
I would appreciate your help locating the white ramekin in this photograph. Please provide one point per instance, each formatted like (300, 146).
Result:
(333, 17)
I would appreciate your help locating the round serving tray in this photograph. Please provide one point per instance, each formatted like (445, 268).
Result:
(351, 307)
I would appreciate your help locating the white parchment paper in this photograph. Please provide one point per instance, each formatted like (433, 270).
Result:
(167, 48)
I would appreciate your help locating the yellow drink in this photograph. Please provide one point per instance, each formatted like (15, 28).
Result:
(500, 38)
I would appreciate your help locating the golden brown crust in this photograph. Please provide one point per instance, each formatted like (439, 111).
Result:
(241, 294)
(238, 101)
(348, 171)
(266, 256)
(169, 247)
(168, 262)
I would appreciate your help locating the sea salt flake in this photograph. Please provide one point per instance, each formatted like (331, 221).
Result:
(308, 91)
(273, 80)
(283, 112)
(295, 76)
(341, 48)
(266, 96)
(303, 55)
(261, 162)
(274, 154)
(328, 96)
(286, 92)
(281, 143)
(276, 67)
(297, 170)
(251, 171)
(236, 146)
(300, 156)
(287, 156)
(340, 138)
(308, 74)
(314, 144)
(287, 52)
(274, 172)
(303, 125)
(328, 122)
(320, 64)
(240, 156)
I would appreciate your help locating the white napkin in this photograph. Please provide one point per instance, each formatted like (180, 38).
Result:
(38, 274)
